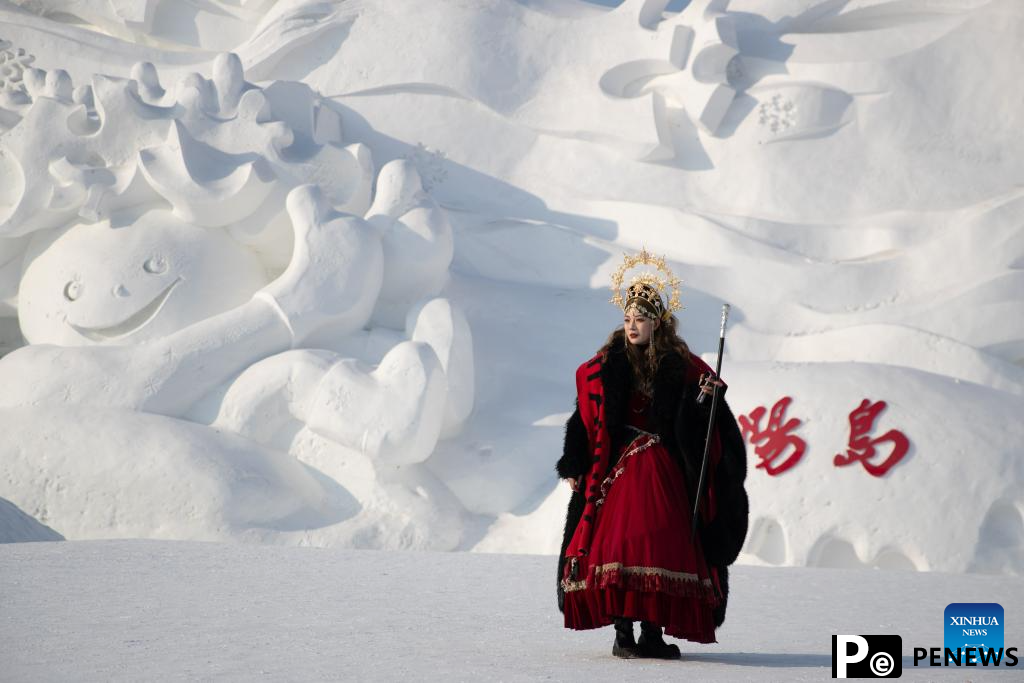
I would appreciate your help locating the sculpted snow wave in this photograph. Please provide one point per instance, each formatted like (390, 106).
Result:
(208, 266)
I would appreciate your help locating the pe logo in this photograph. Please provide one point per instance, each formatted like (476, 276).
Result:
(974, 625)
(867, 656)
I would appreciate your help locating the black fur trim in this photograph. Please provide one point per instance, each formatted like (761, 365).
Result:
(722, 538)
(572, 518)
(616, 378)
(718, 614)
(575, 460)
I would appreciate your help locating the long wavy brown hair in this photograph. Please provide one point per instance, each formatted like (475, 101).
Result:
(644, 363)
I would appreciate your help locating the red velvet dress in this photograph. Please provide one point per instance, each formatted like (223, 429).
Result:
(642, 564)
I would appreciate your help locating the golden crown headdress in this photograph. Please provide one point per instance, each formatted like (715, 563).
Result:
(647, 290)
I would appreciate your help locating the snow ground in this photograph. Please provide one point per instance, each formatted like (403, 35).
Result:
(162, 610)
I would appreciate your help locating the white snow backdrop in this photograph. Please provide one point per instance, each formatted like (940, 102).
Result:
(320, 273)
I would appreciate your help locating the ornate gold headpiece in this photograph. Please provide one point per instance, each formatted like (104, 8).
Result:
(647, 290)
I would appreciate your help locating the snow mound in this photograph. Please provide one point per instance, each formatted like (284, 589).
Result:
(102, 473)
(17, 527)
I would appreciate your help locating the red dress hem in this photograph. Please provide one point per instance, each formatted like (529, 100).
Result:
(641, 563)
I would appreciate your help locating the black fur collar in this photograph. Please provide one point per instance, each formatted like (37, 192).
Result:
(617, 377)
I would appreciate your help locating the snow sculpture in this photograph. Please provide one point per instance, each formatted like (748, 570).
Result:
(132, 283)
(139, 21)
(441, 324)
(13, 64)
(123, 18)
(109, 473)
(161, 275)
(393, 413)
(693, 60)
(828, 281)
(182, 363)
(698, 59)
(417, 238)
(711, 50)
(220, 151)
(170, 372)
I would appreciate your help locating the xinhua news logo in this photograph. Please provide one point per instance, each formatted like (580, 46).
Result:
(867, 656)
(976, 628)
(972, 636)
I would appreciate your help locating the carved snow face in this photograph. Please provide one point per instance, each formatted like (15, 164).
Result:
(96, 284)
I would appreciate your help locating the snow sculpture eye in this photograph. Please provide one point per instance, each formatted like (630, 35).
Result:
(155, 265)
(72, 290)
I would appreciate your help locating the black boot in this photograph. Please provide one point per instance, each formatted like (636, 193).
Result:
(651, 644)
(625, 646)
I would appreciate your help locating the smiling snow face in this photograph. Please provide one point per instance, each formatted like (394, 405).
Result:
(97, 284)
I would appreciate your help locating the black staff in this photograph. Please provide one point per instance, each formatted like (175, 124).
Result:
(711, 424)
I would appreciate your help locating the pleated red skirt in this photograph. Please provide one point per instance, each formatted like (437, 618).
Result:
(642, 564)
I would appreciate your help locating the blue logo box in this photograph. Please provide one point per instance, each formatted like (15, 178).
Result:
(972, 624)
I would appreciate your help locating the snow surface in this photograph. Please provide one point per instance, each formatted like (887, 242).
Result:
(158, 610)
(847, 175)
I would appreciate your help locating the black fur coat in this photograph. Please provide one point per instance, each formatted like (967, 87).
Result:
(682, 425)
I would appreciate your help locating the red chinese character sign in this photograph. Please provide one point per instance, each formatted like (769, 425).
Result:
(779, 449)
(862, 447)
(775, 440)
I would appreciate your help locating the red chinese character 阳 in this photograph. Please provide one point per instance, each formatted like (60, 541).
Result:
(862, 447)
(771, 443)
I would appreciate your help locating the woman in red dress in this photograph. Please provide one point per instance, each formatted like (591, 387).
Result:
(633, 452)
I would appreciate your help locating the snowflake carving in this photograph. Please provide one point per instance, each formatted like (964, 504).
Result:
(777, 114)
(14, 98)
(13, 64)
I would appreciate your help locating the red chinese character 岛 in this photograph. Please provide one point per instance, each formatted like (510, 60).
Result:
(771, 443)
(862, 447)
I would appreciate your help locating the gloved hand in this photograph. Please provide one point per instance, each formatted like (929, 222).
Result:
(708, 381)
